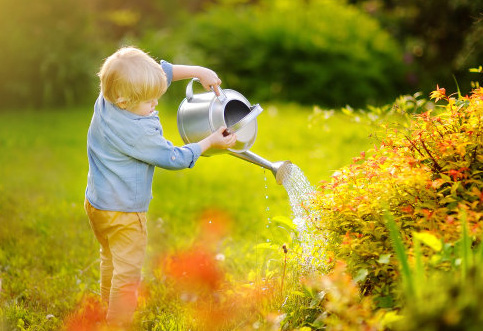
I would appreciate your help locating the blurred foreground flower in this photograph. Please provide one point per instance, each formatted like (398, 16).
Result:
(212, 300)
(215, 225)
(89, 316)
(194, 270)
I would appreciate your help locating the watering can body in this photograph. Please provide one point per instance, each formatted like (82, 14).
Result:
(199, 115)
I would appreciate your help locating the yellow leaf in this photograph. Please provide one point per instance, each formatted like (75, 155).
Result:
(266, 246)
(435, 259)
(390, 317)
(455, 187)
(446, 178)
(305, 328)
(284, 221)
(429, 240)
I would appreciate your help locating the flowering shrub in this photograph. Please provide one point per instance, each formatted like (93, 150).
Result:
(339, 298)
(428, 175)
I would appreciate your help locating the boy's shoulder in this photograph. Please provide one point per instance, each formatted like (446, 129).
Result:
(123, 124)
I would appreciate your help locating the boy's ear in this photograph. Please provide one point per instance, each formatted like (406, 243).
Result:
(122, 104)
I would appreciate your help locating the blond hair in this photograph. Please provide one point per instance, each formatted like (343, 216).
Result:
(130, 76)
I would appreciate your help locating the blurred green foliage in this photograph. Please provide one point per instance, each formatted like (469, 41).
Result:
(324, 52)
(311, 52)
(48, 49)
(441, 39)
(52, 49)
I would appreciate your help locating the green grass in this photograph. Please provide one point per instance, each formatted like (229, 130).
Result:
(49, 257)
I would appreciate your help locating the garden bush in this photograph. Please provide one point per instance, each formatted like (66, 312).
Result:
(320, 51)
(427, 173)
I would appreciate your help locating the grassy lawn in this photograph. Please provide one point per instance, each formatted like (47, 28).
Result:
(48, 255)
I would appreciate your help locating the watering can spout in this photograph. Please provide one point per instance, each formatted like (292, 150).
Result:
(280, 169)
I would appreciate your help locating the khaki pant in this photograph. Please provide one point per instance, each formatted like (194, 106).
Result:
(123, 239)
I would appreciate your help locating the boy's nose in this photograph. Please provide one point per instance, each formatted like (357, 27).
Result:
(155, 103)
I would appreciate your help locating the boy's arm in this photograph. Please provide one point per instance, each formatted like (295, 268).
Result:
(208, 78)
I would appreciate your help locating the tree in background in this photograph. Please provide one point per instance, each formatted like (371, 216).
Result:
(441, 38)
(312, 52)
(52, 48)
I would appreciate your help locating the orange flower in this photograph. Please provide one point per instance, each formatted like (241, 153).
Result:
(89, 316)
(439, 94)
(194, 270)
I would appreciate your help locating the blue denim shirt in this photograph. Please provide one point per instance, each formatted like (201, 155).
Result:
(123, 148)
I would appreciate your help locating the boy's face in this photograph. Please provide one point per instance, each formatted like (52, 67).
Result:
(143, 108)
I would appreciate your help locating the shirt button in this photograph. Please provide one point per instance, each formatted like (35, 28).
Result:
(173, 158)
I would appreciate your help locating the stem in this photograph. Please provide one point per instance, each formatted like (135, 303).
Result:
(285, 250)
(283, 276)
(411, 142)
(439, 132)
(437, 166)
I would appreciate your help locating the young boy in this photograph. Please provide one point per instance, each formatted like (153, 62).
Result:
(124, 143)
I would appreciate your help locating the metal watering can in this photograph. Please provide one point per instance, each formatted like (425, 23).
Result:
(199, 115)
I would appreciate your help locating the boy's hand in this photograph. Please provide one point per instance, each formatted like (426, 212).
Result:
(209, 79)
(218, 140)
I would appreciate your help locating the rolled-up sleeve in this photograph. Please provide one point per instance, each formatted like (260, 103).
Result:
(168, 70)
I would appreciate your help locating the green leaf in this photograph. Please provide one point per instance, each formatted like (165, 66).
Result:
(384, 258)
(418, 268)
(457, 86)
(466, 253)
(429, 240)
(400, 253)
(298, 293)
(284, 221)
(384, 302)
(361, 275)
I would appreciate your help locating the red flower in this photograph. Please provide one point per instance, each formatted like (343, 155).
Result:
(407, 209)
(195, 269)
(428, 213)
(89, 316)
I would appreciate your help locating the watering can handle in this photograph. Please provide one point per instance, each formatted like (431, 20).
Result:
(189, 91)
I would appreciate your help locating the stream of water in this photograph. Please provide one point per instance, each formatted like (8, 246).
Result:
(300, 193)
